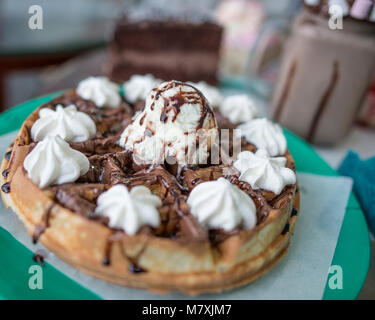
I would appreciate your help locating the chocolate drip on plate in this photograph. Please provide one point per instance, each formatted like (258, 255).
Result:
(39, 256)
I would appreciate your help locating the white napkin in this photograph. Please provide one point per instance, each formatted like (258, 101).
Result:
(301, 274)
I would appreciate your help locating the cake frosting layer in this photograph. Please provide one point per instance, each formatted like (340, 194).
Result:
(187, 61)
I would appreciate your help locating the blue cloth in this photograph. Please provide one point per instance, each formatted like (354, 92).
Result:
(363, 174)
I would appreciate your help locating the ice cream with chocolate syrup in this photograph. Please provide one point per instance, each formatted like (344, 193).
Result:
(177, 125)
(326, 71)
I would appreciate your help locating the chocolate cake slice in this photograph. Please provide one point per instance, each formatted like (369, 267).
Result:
(169, 46)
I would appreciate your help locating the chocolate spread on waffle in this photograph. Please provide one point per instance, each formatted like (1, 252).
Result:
(111, 164)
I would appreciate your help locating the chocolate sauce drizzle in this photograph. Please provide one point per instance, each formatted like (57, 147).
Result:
(324, 101)
(40, 229)
(217, 236)
(116, 237)
(179, 99)
(39, 256)
(5, 173)
(263, 207)
(134, 268)
(286, 229)
(294, 212)
(8, 155)
(286, 90)
(6, 187)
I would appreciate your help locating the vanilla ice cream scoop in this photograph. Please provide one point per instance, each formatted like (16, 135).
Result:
(177, 122)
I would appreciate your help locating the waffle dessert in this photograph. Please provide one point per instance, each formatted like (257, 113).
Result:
(77, 178)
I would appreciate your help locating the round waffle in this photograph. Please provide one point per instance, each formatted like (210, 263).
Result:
(179, 255)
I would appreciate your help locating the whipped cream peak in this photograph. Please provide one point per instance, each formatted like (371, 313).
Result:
(139, 86)
(211, 93)
(100, 90)
(68, 123)
(175, 117)
(53, 161)
(221, 205)
(129, 210)
(239, 108)
(264, 134)
(264, 172)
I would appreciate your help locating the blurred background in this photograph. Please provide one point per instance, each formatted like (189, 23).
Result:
(75, 35)
(281, 53)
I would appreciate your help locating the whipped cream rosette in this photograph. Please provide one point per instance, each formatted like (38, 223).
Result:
(239, 108)
(264, 172)
(264, 134)
(53, 161)
(68, 123)
(139, 86)
(222, 205)
(100, 90)
(129, 210)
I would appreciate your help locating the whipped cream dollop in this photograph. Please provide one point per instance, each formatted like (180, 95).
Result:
(175, 117)
(53, 161)
(129, 210)
(222, 205)
(239, 108)
(211, 93)
(68, 123)
(264, 134)
(264, 172)
(100, 90)
(139, 86)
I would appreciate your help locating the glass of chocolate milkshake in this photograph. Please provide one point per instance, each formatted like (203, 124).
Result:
(327, 67)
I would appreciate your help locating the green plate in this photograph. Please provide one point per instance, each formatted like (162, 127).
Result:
(16, 258)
